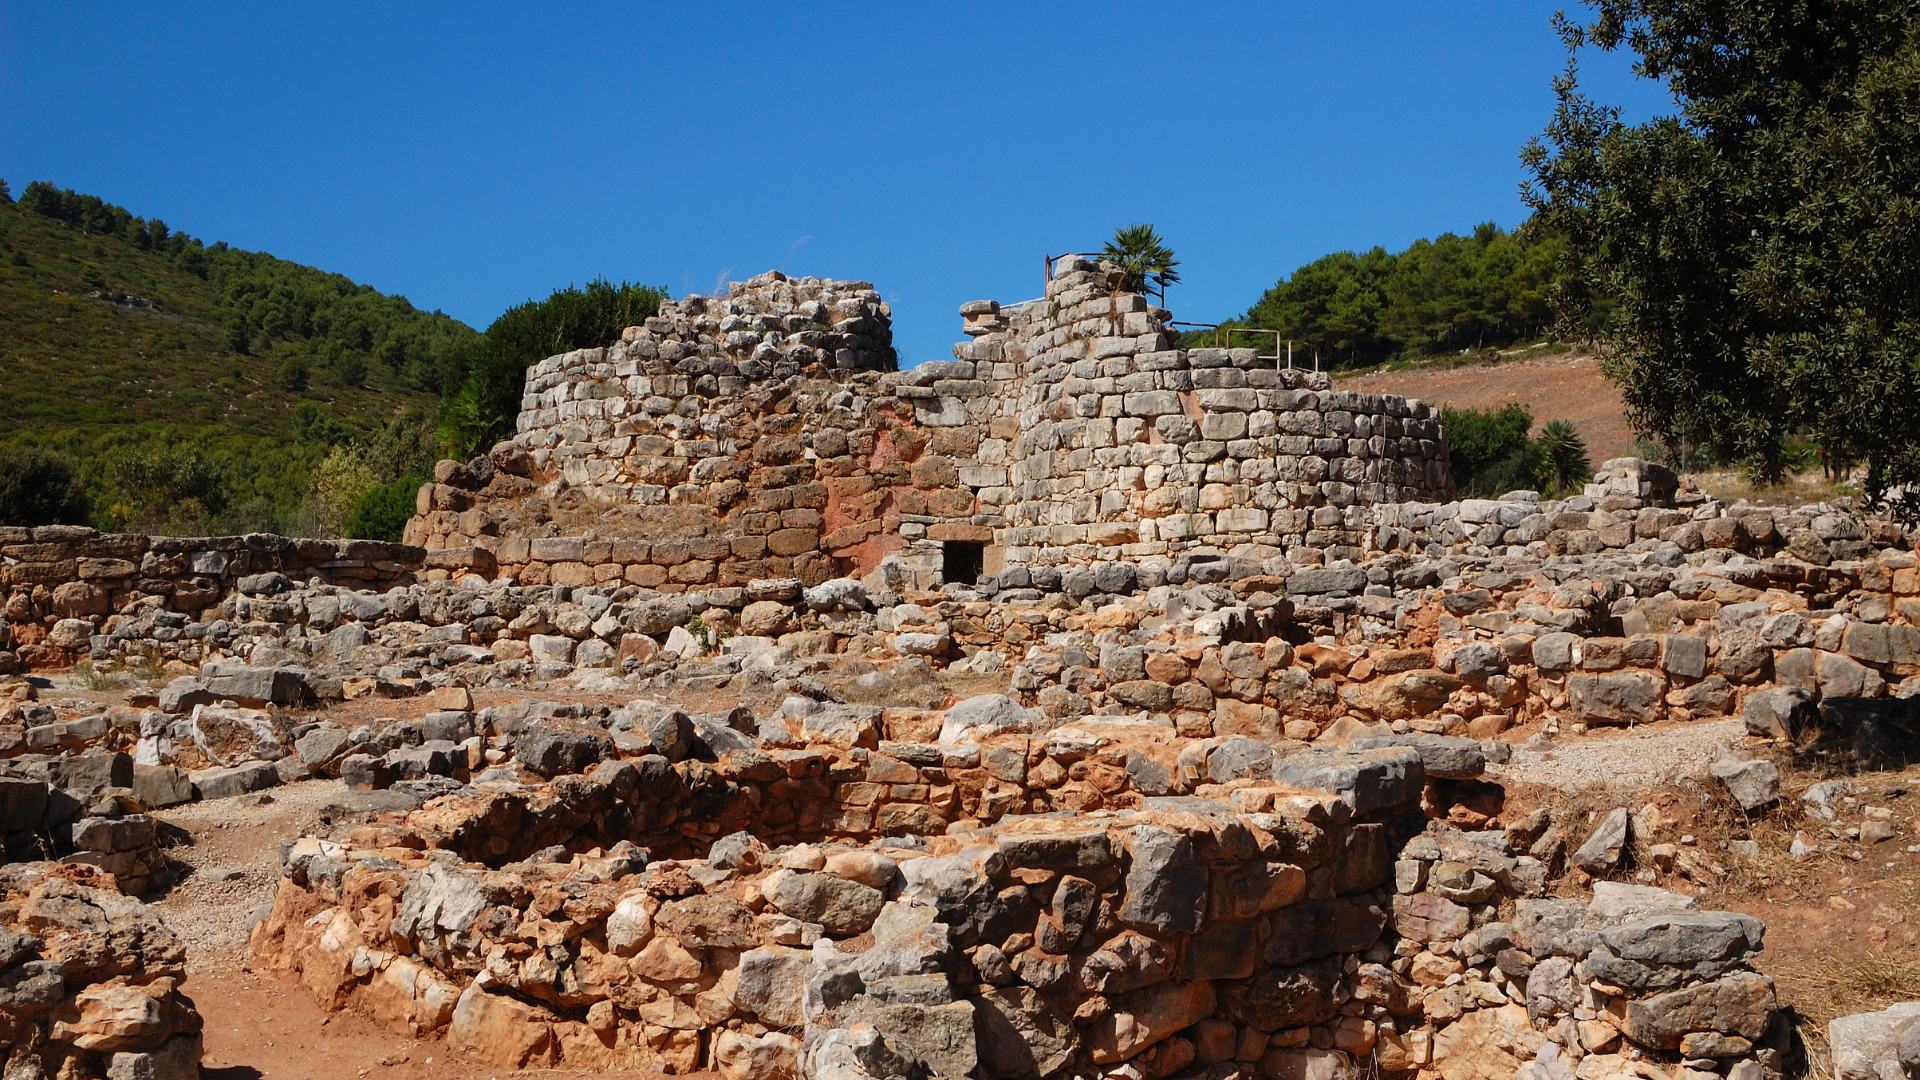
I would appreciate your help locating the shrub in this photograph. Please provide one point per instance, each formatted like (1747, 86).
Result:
(1490, 451)
(338, 485)
(382, 511)
(1560, 459)
(40, 490)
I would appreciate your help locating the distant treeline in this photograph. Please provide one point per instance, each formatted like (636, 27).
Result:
(1486, 289)
(264, 298)
(300, 401)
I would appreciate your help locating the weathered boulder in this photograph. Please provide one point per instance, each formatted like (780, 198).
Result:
(225, 783)
(1659, 952)
(1606, 845)
(985, 715)
(1166, 884)
(843, 907)
(230, 736)
(551, 749)
(1876, 1045)
(1754, 783)
(1616, 697)
(1740, 1004)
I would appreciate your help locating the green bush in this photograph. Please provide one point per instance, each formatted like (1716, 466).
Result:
(485, 405)
(1492, 454)
(1560, 459)
(1490, 451)
(40, 490)
(382, 512)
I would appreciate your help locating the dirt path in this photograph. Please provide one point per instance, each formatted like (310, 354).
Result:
(1564, 387)
(257, 1025)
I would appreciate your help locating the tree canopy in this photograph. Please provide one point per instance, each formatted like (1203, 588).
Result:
(1488, 288)
(1757, 246)
(486, 397)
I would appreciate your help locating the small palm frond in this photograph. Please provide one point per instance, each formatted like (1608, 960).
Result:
(1143, 257)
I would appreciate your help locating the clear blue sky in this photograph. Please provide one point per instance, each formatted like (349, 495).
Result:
(472, 156)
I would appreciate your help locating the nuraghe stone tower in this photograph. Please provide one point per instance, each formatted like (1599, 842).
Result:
(768, 434)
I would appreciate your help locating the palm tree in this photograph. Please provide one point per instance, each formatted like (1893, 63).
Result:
(1561, 463)
(1146, 260)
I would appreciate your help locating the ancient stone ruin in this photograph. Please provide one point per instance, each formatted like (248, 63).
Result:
(767, 434)
(1085, 706)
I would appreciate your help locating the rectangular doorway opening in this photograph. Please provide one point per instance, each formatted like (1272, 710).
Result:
(961, 561)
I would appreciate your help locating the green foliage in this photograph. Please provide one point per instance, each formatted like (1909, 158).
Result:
(162, 486)
(487, 399)
(382, 511)
(39, 490)
(1146, 259)
(1489, 450)
(342, 477)
(314, 427)
(1560, 459)
(1490, 453)
(128, 339)
(1488, 288)
(1756, 247)
(293, 376)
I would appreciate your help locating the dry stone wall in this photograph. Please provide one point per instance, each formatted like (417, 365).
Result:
(1131, 444)
(1269, 914)
(766, 434)
(62, 586)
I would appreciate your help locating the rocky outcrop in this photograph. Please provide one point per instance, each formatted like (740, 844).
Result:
(90, 985)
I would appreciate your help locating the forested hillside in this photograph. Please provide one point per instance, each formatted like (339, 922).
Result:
(1488, 288)
(151, 381)
(200, 385)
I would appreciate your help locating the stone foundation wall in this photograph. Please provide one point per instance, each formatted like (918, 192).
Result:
(60, 586)
(1037, 946)
(1286, 916)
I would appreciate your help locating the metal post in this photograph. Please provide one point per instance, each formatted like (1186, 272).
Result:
(1289, 354)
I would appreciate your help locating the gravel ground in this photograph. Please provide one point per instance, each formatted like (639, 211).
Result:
(234, 863)
(1638, 757)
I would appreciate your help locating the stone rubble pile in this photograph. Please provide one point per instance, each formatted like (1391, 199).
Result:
(90, 985)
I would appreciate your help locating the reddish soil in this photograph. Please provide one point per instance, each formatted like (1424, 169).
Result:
(1567, 386)
(1842, 931)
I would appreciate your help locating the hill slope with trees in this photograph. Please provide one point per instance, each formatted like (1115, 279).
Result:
(1486, 289)
(150, 381)
(199, 385)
